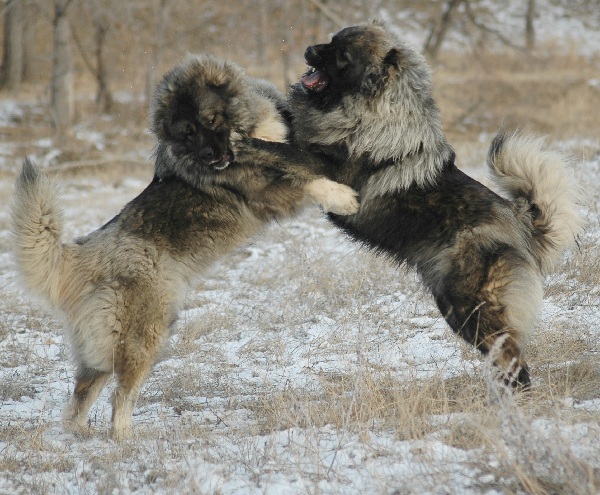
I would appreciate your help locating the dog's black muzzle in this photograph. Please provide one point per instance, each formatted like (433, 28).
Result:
(214, 151)
(314, 55)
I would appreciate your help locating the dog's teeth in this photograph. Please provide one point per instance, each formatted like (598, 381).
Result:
(223, 165)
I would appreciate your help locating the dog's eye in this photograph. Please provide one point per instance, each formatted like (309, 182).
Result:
(212, 120)
(343, 60)
(186, 128)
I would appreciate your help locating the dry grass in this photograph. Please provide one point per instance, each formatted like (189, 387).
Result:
(541, 93)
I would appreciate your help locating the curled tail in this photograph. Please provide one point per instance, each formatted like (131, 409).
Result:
(37, 228)
(529, 171)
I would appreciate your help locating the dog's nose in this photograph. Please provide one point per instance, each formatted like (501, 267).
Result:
(207, 154)
(313, 52)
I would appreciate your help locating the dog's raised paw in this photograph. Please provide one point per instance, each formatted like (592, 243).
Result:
(344, 200)
(333, 197)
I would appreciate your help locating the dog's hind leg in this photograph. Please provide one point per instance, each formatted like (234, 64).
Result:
(485, 327)
(137, 354)
(88, 385)
(496, 314)
(124, 400)
(125, 396)
(518, 304)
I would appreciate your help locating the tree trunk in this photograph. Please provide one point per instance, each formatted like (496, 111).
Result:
(438, 31)
(286, 40)
(29, 53)
(157, 47)
(529, 29)
(104, 98)
(62, 99)
(11, 74)
(261, 30)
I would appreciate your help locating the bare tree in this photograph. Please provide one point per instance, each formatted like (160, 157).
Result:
(31, 15)
(438, 30)
(102, 18)
(162, 11)
(104, 98)
(261, 32)
(62, 96)
(11, 74)
(103, 14)
(529, 29)
(482, 18)
(485, 26)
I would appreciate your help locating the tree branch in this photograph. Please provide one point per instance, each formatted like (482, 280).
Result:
(328, 13)
(472, 17)
(84, 57)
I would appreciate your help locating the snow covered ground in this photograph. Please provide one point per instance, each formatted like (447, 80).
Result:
(274, 378)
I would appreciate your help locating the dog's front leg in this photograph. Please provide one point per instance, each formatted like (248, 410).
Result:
(304, 169)
(291, 160)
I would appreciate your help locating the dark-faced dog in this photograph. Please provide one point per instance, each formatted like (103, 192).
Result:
(365, 106)
(122, 286)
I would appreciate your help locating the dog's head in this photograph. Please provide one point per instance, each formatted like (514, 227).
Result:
(369, 95)
(358, 60)
(192, 113)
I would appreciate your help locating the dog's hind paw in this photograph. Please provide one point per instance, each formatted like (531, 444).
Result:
(122, 433)
(333, 197)
(517, 379)
(77, 429)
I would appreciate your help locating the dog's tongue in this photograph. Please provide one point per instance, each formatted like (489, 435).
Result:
(315, 81)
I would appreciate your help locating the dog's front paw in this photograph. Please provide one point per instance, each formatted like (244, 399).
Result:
(235, 139)
(333, 197)
(343, 200)
(240, 146)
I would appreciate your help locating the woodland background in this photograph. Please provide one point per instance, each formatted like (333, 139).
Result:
(63, 49)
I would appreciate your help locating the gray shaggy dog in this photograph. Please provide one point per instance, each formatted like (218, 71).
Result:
(122, 286)
(366, 107)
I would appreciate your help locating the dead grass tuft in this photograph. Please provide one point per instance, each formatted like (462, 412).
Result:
(546, 94)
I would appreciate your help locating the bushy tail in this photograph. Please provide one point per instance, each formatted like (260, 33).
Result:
(37, 228)
(527, 169)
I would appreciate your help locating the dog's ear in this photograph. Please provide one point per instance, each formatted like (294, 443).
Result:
(378, 74)
(393, 59)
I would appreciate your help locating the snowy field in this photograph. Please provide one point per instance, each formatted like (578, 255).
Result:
(303, 364)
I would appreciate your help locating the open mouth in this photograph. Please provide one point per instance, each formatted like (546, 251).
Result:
(222, 163)
(314, 80)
